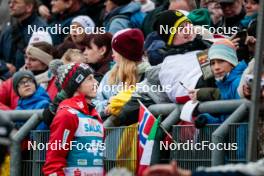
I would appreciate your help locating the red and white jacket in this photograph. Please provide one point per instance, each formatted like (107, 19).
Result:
(78, 121)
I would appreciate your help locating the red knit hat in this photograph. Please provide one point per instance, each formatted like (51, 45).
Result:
(129, 43)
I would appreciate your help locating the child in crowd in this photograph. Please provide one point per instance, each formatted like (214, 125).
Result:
(73, 55)
(76, 124)
(227, 73)
(31, 95)
(80, 27)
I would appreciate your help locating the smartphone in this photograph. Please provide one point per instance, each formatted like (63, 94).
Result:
(242, 35)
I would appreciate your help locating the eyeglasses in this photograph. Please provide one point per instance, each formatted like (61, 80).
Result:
(28, 81)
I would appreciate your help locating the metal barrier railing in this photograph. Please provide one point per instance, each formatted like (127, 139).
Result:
(220, 134)
(190, 154)
(120, 144)
(238, 134)
(36, 116)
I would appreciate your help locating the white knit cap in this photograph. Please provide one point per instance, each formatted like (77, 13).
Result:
(40, 36)
(85, 21)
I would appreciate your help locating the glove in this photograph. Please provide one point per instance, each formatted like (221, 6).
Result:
(47, 116)
(200, 121)
(50, 112)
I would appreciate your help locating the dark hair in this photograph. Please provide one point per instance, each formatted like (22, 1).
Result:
(44, 46)
(99, 40)
(121, 2)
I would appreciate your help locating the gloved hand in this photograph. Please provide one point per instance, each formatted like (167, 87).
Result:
(50, 112)
(200, 121)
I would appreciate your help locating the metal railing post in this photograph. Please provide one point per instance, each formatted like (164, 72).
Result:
(15, 154)
(258, 69)
(220, 134)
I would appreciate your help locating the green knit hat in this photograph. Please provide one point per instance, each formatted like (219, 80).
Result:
(200, 17)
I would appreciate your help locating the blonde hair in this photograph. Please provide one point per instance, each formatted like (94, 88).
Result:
(70, 56)
(124, 72)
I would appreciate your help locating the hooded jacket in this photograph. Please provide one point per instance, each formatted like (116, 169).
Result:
(9, 98)
(77, 121)
(39, 100)
(113, 24)
(228, 87)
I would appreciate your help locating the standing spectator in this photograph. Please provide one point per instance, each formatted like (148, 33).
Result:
(146, 5)
(94, 9)
(129, 68)
(15, 37)
(76, 120)
(216, 12)
(118, 14)
(150, 18)
(81, 26)
(63, 11)
(98, 53)
(5, 16)
(252, 7)
(233, 11)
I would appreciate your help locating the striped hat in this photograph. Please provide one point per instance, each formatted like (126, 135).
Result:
(167, 24)
(71, 76)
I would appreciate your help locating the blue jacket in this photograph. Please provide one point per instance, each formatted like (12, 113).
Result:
(113, 25)
(23, 30)
(39, 100)
(152, 45)
(228, 90)
(228, 87)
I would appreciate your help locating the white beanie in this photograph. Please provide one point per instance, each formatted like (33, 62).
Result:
(85, 21)
(40, 36)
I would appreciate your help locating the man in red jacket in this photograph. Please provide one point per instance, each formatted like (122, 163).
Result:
(76, 133)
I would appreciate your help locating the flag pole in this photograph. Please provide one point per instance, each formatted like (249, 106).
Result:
(170, 136)
(159, 124)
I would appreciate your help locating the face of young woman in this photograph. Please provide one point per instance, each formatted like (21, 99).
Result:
(33, 64)
(220, 67)
(116, 56)
(89, 87)
(251, 7)
(26, 87)
(93, 54)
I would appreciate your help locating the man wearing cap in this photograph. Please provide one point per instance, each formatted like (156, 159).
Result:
(15, 37)
(76, 123)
